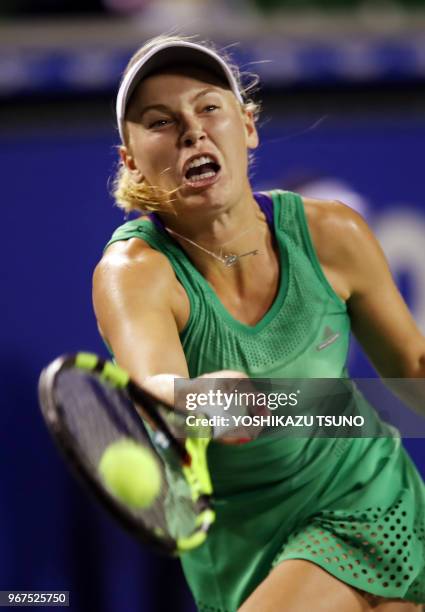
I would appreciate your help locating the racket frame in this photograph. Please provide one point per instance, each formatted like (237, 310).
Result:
(147, 404)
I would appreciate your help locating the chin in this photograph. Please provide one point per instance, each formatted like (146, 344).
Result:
(212, 200)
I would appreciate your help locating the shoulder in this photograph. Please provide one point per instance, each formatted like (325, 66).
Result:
(345, 244)
(336, 229)
(133, 279)
(133, 260)
(326, 217)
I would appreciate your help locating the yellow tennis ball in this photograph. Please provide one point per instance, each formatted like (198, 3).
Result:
(131, 473)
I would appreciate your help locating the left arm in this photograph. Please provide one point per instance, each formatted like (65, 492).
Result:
(379, 316)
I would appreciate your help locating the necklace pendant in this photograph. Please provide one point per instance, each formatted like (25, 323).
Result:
(230, 260)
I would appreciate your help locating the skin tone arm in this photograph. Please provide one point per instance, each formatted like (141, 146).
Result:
(356, 266)
(133, 302)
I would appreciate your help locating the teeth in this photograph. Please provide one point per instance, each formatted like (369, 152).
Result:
(205, 159)
(202, 177)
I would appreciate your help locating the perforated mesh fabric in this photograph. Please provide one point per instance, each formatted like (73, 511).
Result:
(375, 550)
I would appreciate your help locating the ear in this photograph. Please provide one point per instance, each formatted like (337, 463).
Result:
(130, 163)
(250, 129)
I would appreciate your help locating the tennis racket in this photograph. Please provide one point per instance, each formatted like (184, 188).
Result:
(89, 404)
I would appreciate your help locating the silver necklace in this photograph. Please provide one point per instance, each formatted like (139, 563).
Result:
(228, 260)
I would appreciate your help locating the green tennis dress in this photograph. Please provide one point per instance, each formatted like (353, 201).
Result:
(353, 506)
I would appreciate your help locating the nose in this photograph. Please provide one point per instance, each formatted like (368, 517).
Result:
(192, 133)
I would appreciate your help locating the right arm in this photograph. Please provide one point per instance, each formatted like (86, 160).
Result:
(134, 297)
(134, 290)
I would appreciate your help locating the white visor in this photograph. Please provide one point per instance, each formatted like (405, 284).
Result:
(165, 54)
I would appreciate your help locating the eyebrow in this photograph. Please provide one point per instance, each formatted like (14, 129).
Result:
(159, 107)
(166, 109)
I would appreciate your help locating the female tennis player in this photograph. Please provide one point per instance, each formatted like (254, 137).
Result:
(214, 277)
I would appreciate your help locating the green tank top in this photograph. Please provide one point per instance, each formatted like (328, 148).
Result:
(306, 331)
(268, 491)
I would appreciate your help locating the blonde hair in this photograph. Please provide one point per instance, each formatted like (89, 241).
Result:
(130, 195)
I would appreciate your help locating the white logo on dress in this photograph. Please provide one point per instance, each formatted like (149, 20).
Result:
(329, 337)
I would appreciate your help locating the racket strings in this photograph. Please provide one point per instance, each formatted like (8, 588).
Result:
(96, 415)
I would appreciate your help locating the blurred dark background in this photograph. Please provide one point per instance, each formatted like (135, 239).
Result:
(343, 89)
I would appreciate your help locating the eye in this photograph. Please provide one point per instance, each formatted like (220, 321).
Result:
(210, 107)
(159, 123)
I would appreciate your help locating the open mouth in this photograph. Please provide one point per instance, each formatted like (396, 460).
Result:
(202, 170)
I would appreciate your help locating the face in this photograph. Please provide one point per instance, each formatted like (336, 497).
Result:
(186, 130)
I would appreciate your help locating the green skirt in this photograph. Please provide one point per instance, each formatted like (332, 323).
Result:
(353, 506)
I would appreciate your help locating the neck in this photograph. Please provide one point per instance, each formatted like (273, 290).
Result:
(234, 230)
(218, 226)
